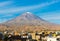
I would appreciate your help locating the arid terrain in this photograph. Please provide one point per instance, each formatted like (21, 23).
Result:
(28, 22)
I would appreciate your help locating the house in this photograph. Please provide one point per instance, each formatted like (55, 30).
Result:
(51, 39)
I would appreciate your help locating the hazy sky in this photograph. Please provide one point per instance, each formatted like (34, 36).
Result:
(46, 9)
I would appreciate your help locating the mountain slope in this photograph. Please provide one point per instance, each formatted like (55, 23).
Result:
(29, 21)
(26, 18)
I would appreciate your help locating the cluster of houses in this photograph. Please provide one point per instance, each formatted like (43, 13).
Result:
(27, 36)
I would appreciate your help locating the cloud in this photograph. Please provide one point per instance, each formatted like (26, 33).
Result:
(26, 8)
(2, 4)
(13, 10)
(51, 16)
(4, 19)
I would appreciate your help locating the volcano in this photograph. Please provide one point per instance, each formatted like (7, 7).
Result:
(30, 22)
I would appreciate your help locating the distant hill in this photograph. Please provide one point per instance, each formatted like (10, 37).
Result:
(30, 22)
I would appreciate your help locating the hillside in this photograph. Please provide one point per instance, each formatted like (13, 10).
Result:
(30, 22)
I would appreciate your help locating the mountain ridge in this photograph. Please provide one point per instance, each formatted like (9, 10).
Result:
(28, 21)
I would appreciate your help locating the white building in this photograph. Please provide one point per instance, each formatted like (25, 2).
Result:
(51, 39)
